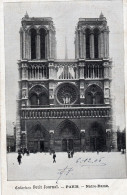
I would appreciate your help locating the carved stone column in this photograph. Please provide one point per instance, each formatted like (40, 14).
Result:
(50, 44)
(38, 46)
(99, 45)
(84, 45)
(24, 44)
(21, 44)
(92, 45)
(82, 137)
(47, 45)
(81, 44)
(52, 147)
(81, 68)
(102, 45)
(29, 45)
(106, 83)
(106, 43)
(76, 45)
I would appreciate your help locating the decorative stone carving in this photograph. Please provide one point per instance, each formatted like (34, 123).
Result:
(23, 93)
(67, 94)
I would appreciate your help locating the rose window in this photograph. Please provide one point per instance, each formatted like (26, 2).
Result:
(67, 94)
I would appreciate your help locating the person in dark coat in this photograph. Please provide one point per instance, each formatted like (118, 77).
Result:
(72, 153)
(69, 154)
(54, 157)
(19, 158)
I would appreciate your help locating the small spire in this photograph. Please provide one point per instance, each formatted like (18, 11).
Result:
(66, 52)
(101, 15)
(26, 15)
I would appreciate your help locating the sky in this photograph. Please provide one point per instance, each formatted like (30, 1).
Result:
(65, 17)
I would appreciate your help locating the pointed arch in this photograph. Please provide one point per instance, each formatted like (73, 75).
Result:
(38, 95)
(94, 95)
(38, 131)
(38, 138)
(67, 129)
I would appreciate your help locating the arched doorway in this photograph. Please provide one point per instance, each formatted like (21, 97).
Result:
(69, 135)
(97, 137)
(38, 139)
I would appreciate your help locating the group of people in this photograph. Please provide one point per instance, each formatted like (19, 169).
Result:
(21, 152)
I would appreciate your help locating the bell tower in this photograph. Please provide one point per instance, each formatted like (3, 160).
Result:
(37, 39)
(92, 38)
(37, 52)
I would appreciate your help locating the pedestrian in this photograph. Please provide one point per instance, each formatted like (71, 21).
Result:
(72, 153)
(19, 158)
(27, 152)
(68, 154)
(54, 157)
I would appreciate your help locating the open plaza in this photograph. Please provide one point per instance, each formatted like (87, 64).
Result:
(89, 165)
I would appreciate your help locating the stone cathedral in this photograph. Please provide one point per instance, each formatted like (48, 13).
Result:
(64, 104)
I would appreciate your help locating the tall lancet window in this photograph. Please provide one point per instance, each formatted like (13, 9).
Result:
(96, 45)
(33, 44)
(87, 43)
(42, 43)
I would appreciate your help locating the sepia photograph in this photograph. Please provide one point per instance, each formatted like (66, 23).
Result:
(64, 90)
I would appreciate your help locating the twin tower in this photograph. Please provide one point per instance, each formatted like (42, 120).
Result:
(38, 42)
(64, 104)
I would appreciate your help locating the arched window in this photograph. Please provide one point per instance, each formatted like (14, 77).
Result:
(33, 99)
(96, 46)
(89, 98)
(98, 98)
(42, 43)
(38, 96)
(87, 43)
(33, 44)
(43, 99)
(94, 95)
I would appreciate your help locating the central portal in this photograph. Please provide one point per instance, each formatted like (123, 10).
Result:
(67, 137)
(67, 145)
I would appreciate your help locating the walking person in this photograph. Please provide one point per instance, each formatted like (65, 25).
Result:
(19, 158)
(69, 154)
(54, 157)
(72, 153)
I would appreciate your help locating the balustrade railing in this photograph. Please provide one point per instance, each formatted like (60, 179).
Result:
(93, 71)
(31, 113)
(38, 72)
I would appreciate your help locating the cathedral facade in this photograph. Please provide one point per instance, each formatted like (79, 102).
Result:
(64, 104)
